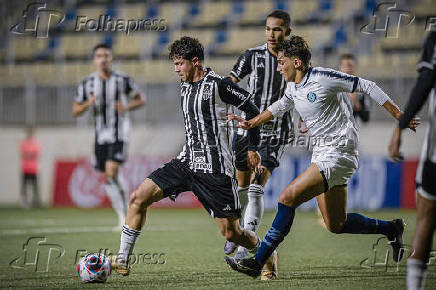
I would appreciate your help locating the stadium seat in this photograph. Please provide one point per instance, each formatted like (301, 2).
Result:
(79, 44)
(20, 46)
(256, 11)
(212, 13)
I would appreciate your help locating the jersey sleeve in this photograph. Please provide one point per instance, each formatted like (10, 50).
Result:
(284, 104)
(232, 94)
(337, 81)
(130, 88)
(243, 65)
(82, 95)
(425, 82)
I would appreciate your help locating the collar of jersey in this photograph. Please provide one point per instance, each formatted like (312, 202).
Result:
(208, 70)
(305, 78)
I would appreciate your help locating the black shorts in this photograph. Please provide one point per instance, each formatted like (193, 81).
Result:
(425, 179)
(217, 192)
(270, 154)
(111, 151)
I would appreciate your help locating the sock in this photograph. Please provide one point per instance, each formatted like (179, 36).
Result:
(416, 272)
(359, 224)
(116, 195)
(128, 240)
(242, 193)
(280, 228)
(253, 212)
(124, 189)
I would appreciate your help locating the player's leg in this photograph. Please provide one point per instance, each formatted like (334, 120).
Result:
(165, 181)
(243, 176)
(36, 202)
(306, 186)
(422, 238)
(114, 190)
(254, 208)
(332, 205)
(24, 197)
(147, 193)
(232, 231)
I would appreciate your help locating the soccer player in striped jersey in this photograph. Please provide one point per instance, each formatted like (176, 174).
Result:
(426, 172)
(314, 92)
(205, 165)
(266, 86)
(111, 95)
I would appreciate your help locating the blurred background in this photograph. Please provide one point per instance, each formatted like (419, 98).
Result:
(39, 78)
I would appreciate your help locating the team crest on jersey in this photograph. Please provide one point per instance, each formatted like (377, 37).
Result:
(311, 97)
(207, 91)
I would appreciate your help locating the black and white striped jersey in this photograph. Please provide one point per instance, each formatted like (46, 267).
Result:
(110, 126)
(425, 89)
(205, 105)
(266, 85)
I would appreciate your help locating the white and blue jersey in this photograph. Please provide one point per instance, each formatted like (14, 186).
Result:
(329, 119)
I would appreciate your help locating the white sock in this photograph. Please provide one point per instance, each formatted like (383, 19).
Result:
(254, 211)
(416, 272)
(116, 195)
(123, 186)
(128, 240)
(242, 193)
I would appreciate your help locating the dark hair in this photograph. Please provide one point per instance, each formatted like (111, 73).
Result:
(186, 47)
(101, 45)
(347, 56)
(280, 14)
(296, 46)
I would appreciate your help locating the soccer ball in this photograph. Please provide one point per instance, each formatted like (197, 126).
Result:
(94, 267)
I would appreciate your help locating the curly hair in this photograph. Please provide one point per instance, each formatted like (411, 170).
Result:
(186, 47)
(296, 46)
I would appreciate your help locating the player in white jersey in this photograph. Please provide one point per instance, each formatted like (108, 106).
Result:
(426, 172)
(314, 92)
(112, 95)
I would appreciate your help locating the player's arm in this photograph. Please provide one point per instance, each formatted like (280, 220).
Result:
(418, 96)
(278, 108)
(82, 101)
(231, 94)
(134, 95)
(242, 67)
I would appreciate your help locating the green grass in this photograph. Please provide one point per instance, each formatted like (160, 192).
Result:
(310, 257)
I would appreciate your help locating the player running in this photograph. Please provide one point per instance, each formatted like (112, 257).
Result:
(267, 86)
(205, 165)
(314, 90)
(111, 94)
(426, 172)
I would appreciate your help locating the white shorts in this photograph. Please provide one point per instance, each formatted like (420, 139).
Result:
(337, 165)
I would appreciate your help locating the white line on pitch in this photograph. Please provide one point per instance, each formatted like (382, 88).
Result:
(72, 230)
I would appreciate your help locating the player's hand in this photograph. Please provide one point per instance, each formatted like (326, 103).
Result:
(120, 107)
(414, 123)
(242, 123)
(394, 146)
(300, 123)
(253, 161)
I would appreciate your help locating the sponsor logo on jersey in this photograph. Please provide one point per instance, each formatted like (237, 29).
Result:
(235, 93)
(207, 92)
(311, 97)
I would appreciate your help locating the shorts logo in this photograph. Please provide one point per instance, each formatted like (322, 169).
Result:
(227, 208)
(311, 97)
(207, 92)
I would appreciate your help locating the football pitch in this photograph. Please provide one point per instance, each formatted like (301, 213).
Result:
(183, 249)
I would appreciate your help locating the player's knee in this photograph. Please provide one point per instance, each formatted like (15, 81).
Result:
(288, 197)
(334, 227)
(143, 198)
